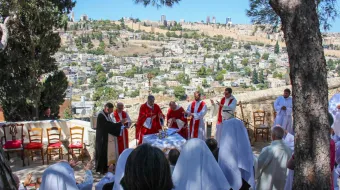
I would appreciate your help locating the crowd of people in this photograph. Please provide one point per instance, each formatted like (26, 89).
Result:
(224, 162)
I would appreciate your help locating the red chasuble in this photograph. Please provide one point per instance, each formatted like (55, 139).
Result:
(195, 126)
(123, 141)
(178, 114)
(144, 112)
(219, 118)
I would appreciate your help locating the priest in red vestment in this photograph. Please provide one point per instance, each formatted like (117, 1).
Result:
(175, 118)
(197, 110)
(149, 119)
(119, 115)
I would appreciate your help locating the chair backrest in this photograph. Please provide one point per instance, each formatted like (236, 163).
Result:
(77, 134)
(13, 131)
(35, 135)
(53, 135)
(259, 117)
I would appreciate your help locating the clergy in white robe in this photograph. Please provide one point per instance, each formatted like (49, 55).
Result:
(289, 141)
(272, 171)
(197, 169)
(236, 157)
(197, 110)
(284, 109)
(228, 100)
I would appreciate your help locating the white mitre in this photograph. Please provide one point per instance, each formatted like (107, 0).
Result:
(227, 112)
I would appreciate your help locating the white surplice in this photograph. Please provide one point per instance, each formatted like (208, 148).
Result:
(120, 168)
(198, 116)
(197, 169)
(284, 117)
(289, 141)
(236, 157)
(271, 170)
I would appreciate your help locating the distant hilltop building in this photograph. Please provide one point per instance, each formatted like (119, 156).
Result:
(228, 21)
(181, 21)
(208, 19)
(213, 20)
(163, 20)
(84, 18)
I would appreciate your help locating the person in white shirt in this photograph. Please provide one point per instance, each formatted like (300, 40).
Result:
(284, 109)
(197, 110)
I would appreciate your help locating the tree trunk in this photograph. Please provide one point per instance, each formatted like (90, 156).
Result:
(6, 178)
(308, 73)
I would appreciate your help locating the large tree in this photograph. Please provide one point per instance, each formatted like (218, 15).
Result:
(32, 41)
(27, 44)
(300, 22)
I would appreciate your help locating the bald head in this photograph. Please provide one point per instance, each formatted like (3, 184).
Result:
(120, 106)
(277, 133)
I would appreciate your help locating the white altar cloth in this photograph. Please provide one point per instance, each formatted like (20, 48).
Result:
(170, 142)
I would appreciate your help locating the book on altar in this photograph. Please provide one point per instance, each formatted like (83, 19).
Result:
(180, 123)
(147, 123)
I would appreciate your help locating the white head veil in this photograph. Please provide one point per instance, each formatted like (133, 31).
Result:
(197, 169)
(120, 168)
(59, 176)
(235, 155)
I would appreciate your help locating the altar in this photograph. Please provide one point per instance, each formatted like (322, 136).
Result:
(174, 140)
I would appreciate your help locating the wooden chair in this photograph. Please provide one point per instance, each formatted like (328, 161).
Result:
(54, 143)
(13, 139)
(76, 143)
(35, 135)
(259, 118)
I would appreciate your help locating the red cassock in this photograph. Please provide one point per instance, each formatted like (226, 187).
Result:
(219, 117)
(123, 141)
(178, 114)
(144, 112)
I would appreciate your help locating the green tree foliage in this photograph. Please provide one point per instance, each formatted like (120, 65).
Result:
(277, 48)
(245, 62)
(134, 93)
(104, 94)
(183, 79)
(90, 45)
(29, 51)
(265, 56)
(220, 75)
(247, 71)
(261, 77)
(68, 113)
(255, 77)
(179, 92)
(98, 68)
(130, 73)
(205, 83)
(53, 92)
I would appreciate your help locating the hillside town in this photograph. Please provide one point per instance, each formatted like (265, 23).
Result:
(130, 58)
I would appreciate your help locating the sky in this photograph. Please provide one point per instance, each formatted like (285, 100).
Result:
(189, 10)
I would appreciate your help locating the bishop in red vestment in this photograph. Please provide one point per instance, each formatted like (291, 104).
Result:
(177, 112)
(148, 112)
(119, 115)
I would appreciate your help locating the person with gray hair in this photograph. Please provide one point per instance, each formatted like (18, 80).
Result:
(271, 172)
(150, 119)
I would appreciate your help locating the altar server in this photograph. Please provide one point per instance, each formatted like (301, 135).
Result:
(284, 109)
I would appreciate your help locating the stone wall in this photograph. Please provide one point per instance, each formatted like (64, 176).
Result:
(251, 101)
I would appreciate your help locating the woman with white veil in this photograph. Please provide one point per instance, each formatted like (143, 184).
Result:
(120, 169)
(197, 169)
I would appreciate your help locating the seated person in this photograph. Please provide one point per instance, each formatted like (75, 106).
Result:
(173, 157)
(60, 176)
(47, 114)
